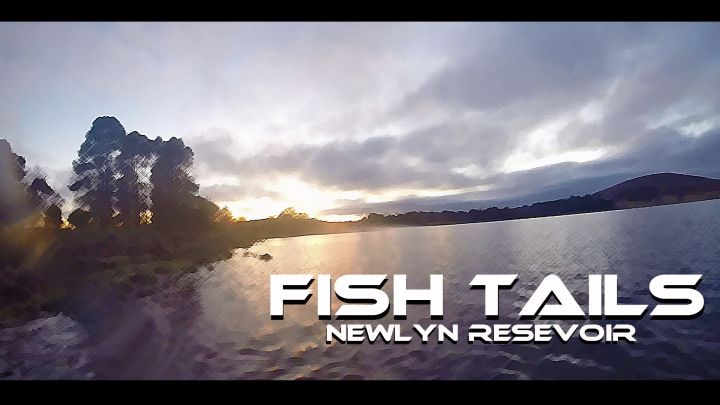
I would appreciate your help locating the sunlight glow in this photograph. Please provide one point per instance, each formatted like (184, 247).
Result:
(292, 192)
(313, 200)
(340, 218)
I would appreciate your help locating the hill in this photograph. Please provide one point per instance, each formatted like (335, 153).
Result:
(660, 188)
(645, 191)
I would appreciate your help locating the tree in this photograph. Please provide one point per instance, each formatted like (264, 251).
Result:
(174, 191)
(53, 217)
(224, 216)
(18, 199)
(41, 196)
(137, 155)
(12, 195)
(80, 218)
(291, 213)
(374, 218)
(199, 214)
(94, 170)
(127, 179)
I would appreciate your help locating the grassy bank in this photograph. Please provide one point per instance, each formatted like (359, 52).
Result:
(44, 269)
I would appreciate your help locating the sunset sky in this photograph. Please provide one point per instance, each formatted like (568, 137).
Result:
(341, 119)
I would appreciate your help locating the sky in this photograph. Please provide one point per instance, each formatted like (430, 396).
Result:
(342, 119)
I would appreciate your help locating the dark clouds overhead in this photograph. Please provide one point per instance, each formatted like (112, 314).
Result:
(643, 96)
(479, 111)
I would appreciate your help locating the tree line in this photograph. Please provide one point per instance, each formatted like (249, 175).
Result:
(118, 179)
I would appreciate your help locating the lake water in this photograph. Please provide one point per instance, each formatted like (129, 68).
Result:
(216, 323)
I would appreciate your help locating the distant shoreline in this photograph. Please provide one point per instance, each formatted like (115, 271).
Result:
(645, 191)
(370, 228)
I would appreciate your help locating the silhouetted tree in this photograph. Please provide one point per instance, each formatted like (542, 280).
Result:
(199, 214)
(137, 155)
(41, 195)
(374, 218)
(174, 191)
(95, 174)
(80, 218)
(224, 216)
(291, 213)
(53, 217)
(19, 200)
(12, 196)
(138, 179)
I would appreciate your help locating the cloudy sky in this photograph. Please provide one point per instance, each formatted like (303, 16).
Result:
(341, 119)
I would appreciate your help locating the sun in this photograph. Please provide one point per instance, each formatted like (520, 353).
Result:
(292, 192)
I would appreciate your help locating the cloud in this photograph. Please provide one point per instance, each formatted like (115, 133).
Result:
(371, 164)
(378, 107)
(671, 154)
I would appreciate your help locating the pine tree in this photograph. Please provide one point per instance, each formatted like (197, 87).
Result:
(95, 172)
